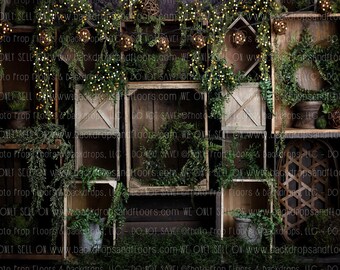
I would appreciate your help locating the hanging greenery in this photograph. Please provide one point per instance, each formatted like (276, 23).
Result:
(31, 141)
(108, 77)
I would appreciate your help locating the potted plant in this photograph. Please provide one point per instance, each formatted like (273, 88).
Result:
(252, 226)
(17, 115)
(90, 227)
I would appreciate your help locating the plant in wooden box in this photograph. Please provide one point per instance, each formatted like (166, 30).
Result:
(90, 227)
(301, 74)
(18, 116)
(189, 142)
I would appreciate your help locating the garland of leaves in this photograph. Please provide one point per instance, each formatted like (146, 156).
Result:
(305, 52)
(175, 132)
(30, 141)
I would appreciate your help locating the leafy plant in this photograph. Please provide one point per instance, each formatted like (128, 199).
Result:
(260, 218)
(16, 100)
(89, 175)
(322, 229)
(79, 221)
(108, 77)
(179, 69)
(249, 157)
(116, 213)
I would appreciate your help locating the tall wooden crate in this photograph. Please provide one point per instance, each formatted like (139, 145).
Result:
(147, 105)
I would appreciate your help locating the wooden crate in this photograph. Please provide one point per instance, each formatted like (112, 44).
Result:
(100, 151)
(245, 109)
(98, 199)
(97, 115)
(146, 104)
(322, 28)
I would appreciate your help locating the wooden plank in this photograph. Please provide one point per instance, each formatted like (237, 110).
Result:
(162, 85)
(161, 227)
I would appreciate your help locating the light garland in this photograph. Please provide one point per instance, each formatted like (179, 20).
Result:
(163, 45)
(280, 27)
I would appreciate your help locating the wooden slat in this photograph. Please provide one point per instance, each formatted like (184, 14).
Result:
(40, 257)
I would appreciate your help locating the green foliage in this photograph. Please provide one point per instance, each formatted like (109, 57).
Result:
(175, 133)
(16, 100)
(260, 218)
(108, 78)
(179, 69)
(79, 221)
(192, 248)
(31, 140)
(89, 175)
(249, 157)
(147, 66)
(267, 93)
(116, 213)
(323, 229)
(302, 53)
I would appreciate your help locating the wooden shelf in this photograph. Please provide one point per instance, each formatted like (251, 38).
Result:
(97, 132)
(163, 85)
(111, 181)
(308, 14)
(309, 133)
(15, 146)
(245, 180)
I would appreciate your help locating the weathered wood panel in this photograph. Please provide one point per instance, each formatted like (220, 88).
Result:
(245, 109)
(95, 115)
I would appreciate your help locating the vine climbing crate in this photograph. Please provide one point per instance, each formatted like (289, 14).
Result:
(245, 109)
(148, 105)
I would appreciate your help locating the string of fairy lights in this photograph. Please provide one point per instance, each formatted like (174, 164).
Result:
(207, 24)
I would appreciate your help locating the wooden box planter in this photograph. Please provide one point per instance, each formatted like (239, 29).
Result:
(147, 105)
(95, 115)
(245, 109)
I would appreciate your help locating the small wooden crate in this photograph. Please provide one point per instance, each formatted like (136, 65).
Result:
(97, 115)
(246, 194)
(245, 109)
(146, 104)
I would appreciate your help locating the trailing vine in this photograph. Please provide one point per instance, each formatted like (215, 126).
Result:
(52, 137)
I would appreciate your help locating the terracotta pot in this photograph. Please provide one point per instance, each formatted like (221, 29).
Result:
(306, 112)
(18, 120)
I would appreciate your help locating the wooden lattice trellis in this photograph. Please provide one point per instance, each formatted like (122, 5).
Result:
(303, 181)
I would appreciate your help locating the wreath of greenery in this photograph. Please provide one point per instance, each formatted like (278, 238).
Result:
(175, 132)
(302, 53)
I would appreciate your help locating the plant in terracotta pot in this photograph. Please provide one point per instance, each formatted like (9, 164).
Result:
(18, 117)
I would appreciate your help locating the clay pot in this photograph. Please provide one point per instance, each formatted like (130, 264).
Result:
(306, 112)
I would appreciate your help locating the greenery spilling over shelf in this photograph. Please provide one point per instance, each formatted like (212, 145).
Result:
(88, 175)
